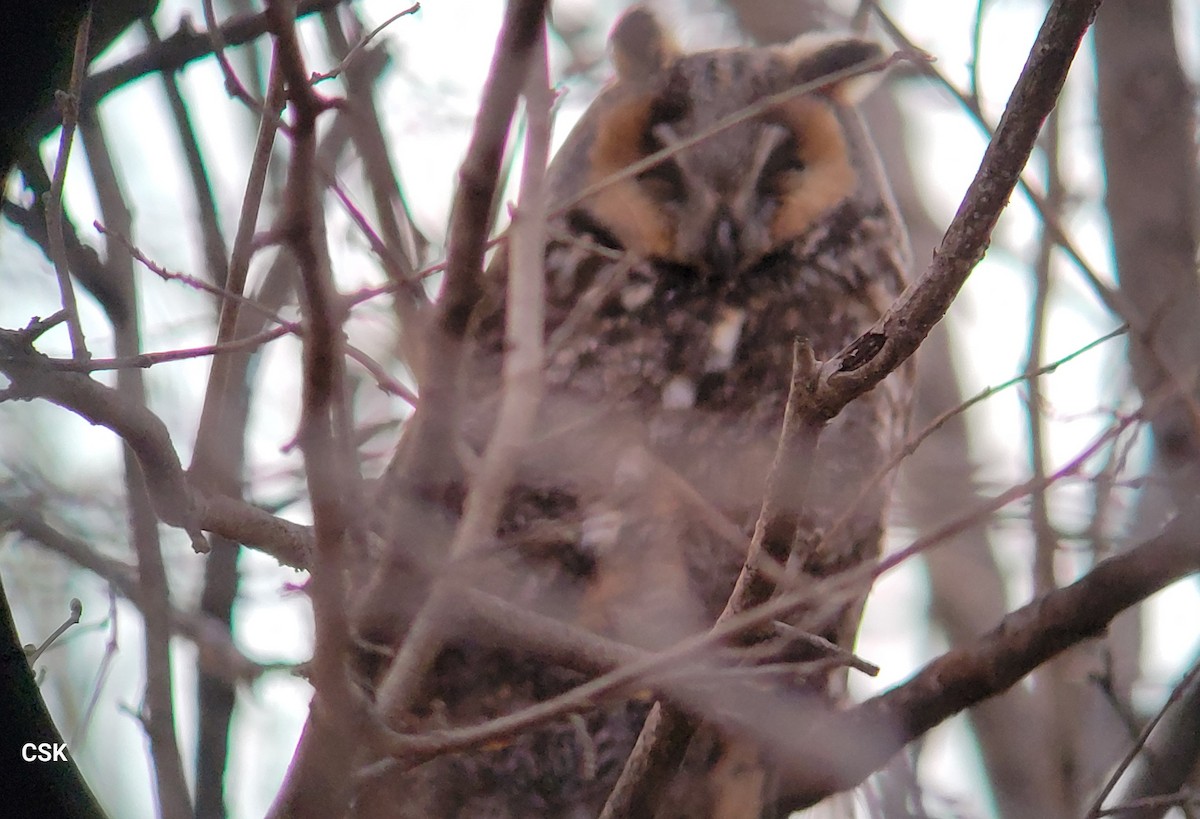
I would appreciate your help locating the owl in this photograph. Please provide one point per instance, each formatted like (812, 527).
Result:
(697, 237)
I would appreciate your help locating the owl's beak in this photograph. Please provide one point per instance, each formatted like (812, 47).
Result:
(722, 250)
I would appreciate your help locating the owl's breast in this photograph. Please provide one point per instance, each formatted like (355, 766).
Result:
(670, 337)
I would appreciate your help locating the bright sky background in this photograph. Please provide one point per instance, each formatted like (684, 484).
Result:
(442, 56)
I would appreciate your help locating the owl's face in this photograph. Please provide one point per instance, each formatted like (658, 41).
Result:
(729, 202)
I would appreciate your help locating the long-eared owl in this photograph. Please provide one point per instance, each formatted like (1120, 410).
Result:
(675, 291)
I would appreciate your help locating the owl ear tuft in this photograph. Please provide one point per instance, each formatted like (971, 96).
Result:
(818, 55)
(640, 46)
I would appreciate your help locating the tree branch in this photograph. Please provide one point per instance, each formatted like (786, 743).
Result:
(874, 355)
(176, 502)
(217, 653)
(839, 750)
(896, 336)
(330, 464)
(172, 54)
(522, 393)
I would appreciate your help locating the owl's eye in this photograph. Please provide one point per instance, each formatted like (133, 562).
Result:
(664, 182)
(583, 223)
(784, 160)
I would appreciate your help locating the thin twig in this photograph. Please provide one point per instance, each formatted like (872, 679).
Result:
(835, 752)
(1116, 301)
(206, 207)
(1111, 299)
(174, 799)
(146, 360)
(361, 44)
(400, 246)
(111, 647)
(638, 668)
(384, 380)
(176, 502)
(914, 442)
(522, 378)
(233, 86)
(976, 52)
(668, 729)
(1139, 743)
(34, 654)
(216, 652)
(901, 330)
(69, 103)
(432, 428)
(1053, 688)
(174, 53)
(1154, 803)
(209, 461)
(958, 679)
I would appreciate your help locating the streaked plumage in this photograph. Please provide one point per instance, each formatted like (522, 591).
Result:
(673, 298)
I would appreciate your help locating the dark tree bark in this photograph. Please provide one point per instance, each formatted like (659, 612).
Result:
(32, 788)
(1148, 129)
(1148, 138)
(38, 41)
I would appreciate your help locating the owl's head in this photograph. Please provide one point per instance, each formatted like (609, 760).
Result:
(722, 204)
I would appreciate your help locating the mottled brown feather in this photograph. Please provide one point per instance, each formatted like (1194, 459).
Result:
(667, 373)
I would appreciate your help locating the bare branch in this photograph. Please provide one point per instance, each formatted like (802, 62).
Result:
(54, 204)
(1176, 740)
(522, 376)
(351, 55)
(839, 750)
(668, 730)
(210, 459)
(173, 53)
(33, 375)
(174, 799)
(217, 653)
(897, 335)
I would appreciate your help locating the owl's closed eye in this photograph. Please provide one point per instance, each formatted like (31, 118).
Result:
(728, 195)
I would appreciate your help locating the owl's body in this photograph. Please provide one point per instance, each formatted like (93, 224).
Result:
(673, 299)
